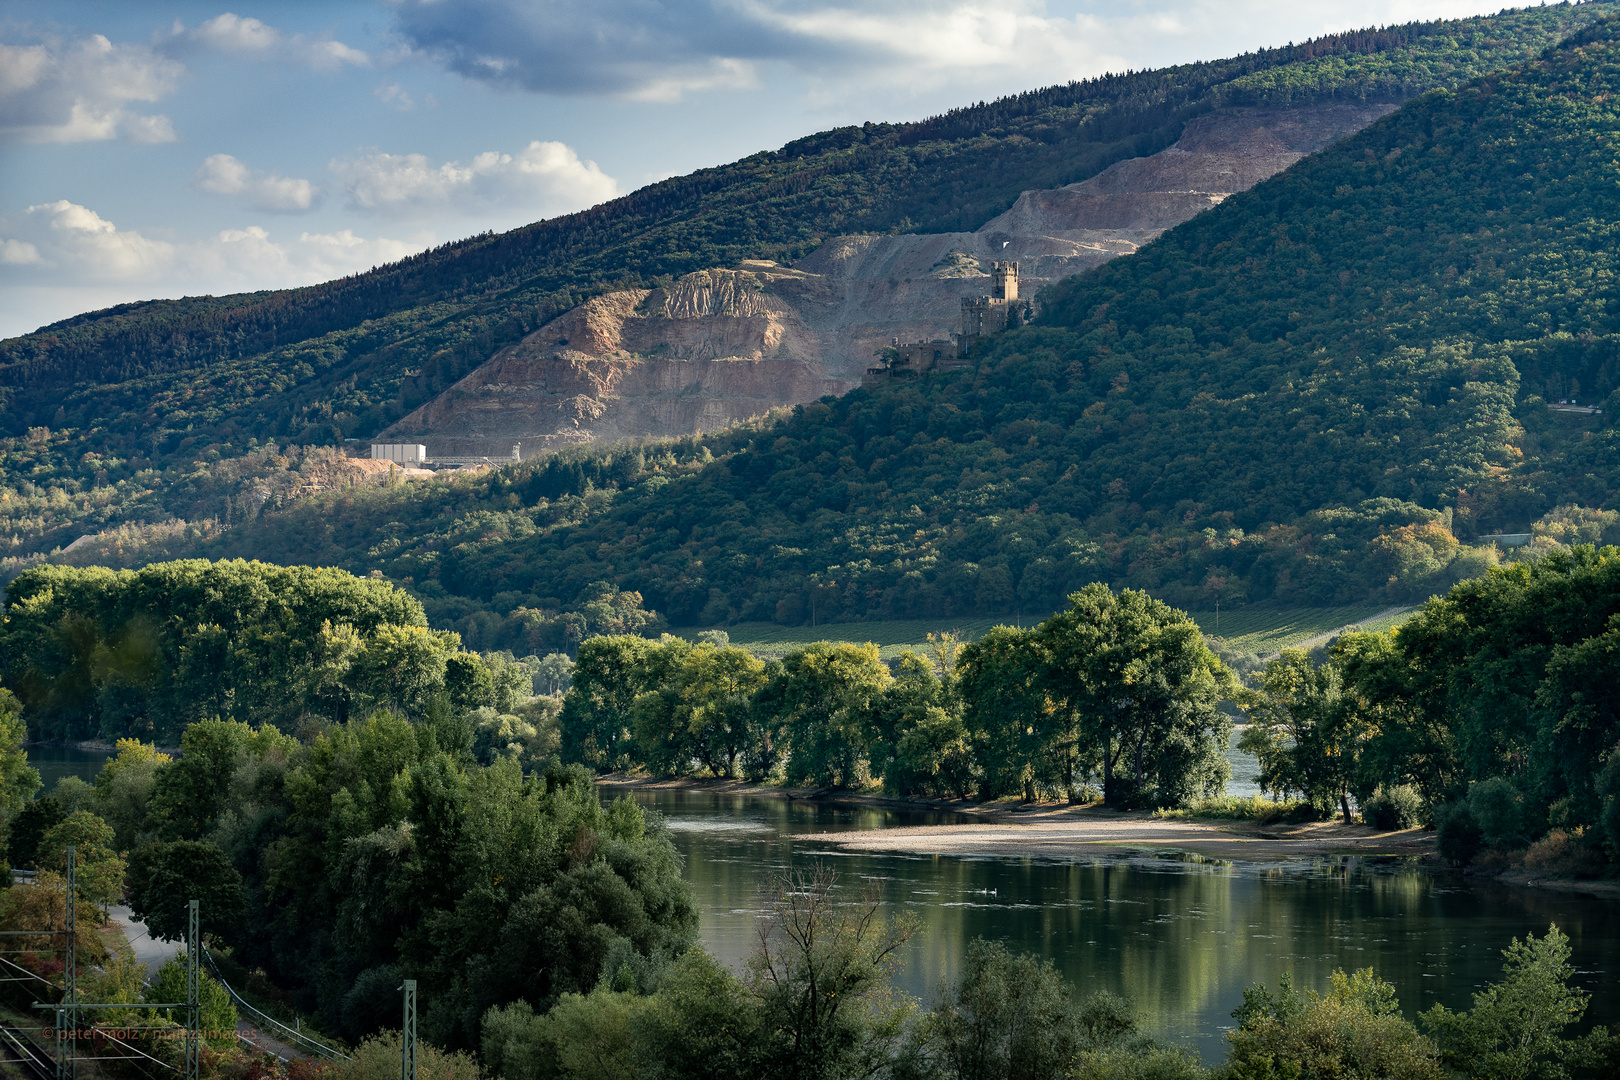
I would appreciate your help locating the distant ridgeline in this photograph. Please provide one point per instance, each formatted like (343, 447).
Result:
(1319, 391)
(107, 413)
(1323, 390)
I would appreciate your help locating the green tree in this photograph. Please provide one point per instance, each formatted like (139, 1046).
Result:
(1005, 709)
(164, 877)
(100, 869)
(1355, 1029)
(377, 1058)
(820, 702)
(718, 686)
(189, 794)
(1516, 1028)
(1133, 681)
(124, 790)
(467, 681)
(217, 1016)
(1303, 731)
(919, 732)
(1009, 1017)
(402, 667)
(18, 779)
(596, 715)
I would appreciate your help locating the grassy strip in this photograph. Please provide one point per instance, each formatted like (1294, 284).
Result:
(1256, 808)
(1257, 630)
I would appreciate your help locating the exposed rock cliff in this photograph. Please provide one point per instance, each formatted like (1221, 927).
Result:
(723, 345)
(714, 348)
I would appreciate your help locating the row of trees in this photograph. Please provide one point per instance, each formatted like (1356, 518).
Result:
(1118, 691)
(1490, 712)
(1494, 706)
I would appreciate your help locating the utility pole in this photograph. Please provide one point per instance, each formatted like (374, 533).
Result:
(407, 1034)
(67, 1017)
(193, 1011)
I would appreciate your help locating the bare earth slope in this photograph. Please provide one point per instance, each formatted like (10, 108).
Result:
(723, 345)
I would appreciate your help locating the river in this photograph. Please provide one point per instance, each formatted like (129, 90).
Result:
(1180, 935)
(55, 762)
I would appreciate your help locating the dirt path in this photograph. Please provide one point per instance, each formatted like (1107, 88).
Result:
(1009, 830)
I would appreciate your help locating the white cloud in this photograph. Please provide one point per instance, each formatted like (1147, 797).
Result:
(665, 49)
(395, 95)
(18, 253)
(222, 174)
(60, 258)
(81, 91)
(76, 238)
(245, 36)
(544, 178)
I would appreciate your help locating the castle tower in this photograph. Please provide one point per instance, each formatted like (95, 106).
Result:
(1004, 281)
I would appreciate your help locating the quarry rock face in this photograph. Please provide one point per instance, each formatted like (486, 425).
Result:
(724, 345)
(717, 347)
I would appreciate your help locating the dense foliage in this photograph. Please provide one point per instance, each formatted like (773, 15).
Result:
(117, 417)
(380, 848)
(1115, 691)
(1494, 705)
(146, 652)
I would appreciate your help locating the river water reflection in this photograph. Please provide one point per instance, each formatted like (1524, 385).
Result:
(1180, 935)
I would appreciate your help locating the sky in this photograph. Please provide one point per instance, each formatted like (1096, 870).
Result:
(169, 149)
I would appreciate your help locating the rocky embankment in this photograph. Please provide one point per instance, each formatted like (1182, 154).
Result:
(723, 345)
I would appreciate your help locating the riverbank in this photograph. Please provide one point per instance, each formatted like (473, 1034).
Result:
(1006, 829)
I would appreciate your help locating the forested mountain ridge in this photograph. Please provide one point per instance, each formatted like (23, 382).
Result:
(107, 412)
(1320, 390)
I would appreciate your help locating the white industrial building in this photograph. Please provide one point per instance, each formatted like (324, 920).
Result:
(404, 453)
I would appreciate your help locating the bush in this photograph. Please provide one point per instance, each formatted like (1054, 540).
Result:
(1499, 809)
(378, 1059)
(1564, 855)
(1389, 809)
(217, 1014)
(1355, 1029)
(1459, 835)
(1256, 808)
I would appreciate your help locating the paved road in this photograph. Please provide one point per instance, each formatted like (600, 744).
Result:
(148, 950)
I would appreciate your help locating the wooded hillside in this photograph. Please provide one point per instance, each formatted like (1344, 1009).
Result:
(106, 413)
(1324, 390)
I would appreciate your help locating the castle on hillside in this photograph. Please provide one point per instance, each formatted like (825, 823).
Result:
(981, 316)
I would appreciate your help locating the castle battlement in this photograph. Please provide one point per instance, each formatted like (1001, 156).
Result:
(982, 315)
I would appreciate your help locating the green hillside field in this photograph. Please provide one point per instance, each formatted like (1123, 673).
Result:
(1261, 631)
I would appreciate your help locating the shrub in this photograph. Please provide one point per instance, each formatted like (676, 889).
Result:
(217, 1014)
(1399, 807)
(1499, 809)
(1459, 835)
(1256, 808)
(1355, 1029)
(1565, 855)
(378, 1059)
